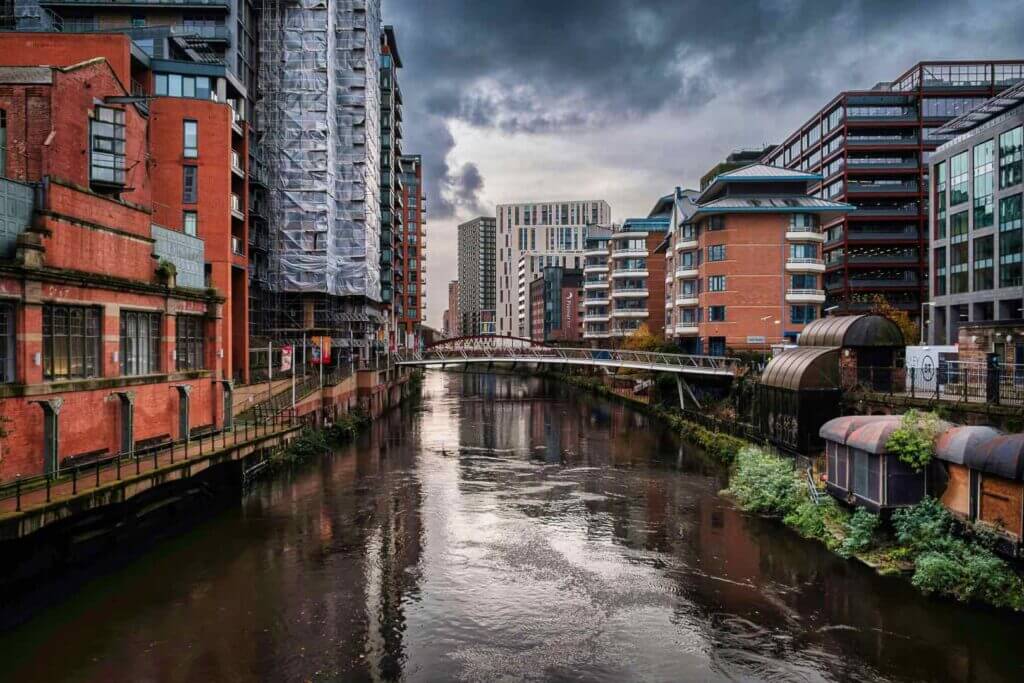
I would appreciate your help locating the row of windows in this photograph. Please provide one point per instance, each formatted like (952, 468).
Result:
(798, 315)
(976, 270)
(72, 342)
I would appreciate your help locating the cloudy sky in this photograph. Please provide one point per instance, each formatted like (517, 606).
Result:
(522, 100)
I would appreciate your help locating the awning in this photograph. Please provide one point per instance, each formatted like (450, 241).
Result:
(852, 330)
(839, 429)
(955, 443)
(803, 368)
(1002, 456)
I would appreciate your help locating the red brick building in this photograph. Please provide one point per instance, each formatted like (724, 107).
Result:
(102, 346)
(555, 305)
(746, 261)
(413, 244)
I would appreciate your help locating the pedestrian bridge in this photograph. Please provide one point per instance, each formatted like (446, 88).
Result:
(515, 350)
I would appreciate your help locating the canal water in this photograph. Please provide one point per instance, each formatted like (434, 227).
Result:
(503, 529)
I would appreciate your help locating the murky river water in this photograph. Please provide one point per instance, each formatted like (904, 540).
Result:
(503, 529)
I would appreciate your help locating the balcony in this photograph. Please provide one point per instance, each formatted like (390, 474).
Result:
(589, 253)
(596, 318)
(629, 253)
(882, 283)
(686, 243)
(629, 313)
(630, 293)
(595, 269)
(600, 284)
(595, 334)
(236, 164)
(908, 234)
(685, 272)
(854, 141)
(804, 235)
(856, 187)
(854, 164)
(805, 265)
(587, 301)
(875, 211)
(237, 247)
(686, 329)
(687, 300)
(236, 207)
(805, 296)
(629, 273)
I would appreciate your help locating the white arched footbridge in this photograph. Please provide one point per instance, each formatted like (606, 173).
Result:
(513, 350)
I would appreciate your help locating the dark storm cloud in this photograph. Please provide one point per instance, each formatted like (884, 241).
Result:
(573, 66)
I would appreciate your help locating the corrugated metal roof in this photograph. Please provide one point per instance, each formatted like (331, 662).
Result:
(795, 203)
(1002, 456)
(839, 429)
(803, 368)
(955, 443)
(764, 171)
(873, 435)
(29, 75)
(852, 330)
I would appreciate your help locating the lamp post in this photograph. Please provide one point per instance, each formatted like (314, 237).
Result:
(924, 305)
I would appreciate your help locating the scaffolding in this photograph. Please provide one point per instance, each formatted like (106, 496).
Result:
(318, 114)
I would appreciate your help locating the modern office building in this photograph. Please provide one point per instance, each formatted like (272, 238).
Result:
(476, 277)
(532, 265)
(542, 229)
(115, 320)
(745, 260)
(411, 239)
(555, 305)
(976, 219)
(636, 275)
(596, 302)
(871, 148)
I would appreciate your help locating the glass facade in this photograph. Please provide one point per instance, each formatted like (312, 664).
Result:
(1011, 241)
(1010, 157)
(984, 158)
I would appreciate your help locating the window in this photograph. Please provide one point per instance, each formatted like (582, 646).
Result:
(190, 343)
(984, 156)
(803, 251)
(190, 222)
(803, 281)
(71, 341)
(803, 222)
(958, 175)
(1011, 241)
(7, 348)
(958, 268)
(716, 283)
(940, 200)
(716, 314)
(140, 343)
(106, 144)
(176, 85)
(958, 227)
(802, 314)
(715, 223)
(983, 263)
(939, 269)
(190, 185)
(716, 252)
(1010, 155)
(191, 135)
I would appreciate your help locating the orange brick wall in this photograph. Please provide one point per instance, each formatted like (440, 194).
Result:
(66, 49)
(756, 279)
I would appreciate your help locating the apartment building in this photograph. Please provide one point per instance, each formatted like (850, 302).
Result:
(596, 301)
(871, 148)
(392, 191)
(411, 239)
(636, 276)
(452, 320)
(540, 229)
(745, 260)
(976, 219)
(475, 288)
(109, 335)
(198, 158)
(532, 265)
(555, 305)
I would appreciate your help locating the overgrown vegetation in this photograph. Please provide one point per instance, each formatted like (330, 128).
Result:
(860, 536)
(313, 442)
(961, 566)
(913, 442)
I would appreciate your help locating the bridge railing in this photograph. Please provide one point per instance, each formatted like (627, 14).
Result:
(652, 359)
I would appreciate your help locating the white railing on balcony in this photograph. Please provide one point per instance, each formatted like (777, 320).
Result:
(237, 247)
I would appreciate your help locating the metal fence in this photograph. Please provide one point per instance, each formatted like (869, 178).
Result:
(70, 480)
(953, 381)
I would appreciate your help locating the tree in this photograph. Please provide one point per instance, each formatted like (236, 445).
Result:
(882, 306)
(643, 340)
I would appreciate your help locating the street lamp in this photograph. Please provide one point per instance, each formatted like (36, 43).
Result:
(927, 304)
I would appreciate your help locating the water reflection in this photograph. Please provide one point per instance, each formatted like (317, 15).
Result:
(504, 528)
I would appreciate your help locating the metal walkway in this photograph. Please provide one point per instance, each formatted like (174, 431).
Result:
(679, 364)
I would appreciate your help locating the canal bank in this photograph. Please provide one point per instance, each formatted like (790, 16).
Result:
(503, 528)
(924, 544)
(55, 528)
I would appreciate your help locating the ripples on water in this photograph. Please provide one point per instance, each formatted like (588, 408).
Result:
(503, 529)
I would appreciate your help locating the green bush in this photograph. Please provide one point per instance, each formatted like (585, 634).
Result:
(913, 441)
(946, 564)
(860, 533)
(764, 483)
(346, 427)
